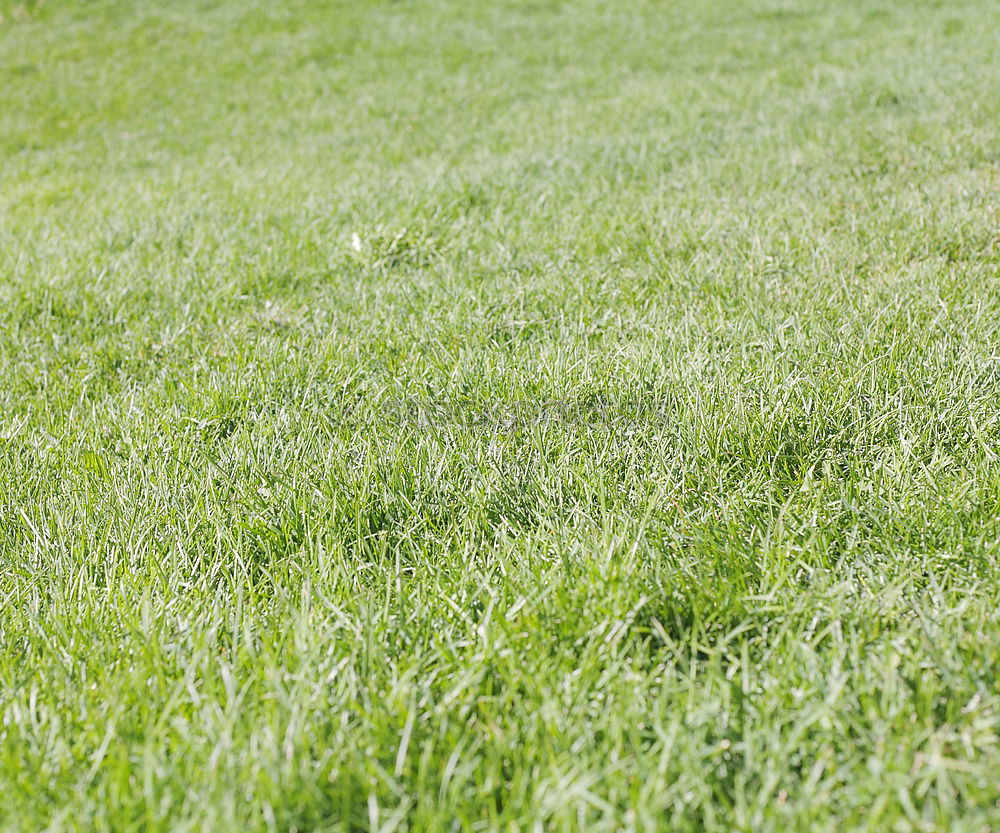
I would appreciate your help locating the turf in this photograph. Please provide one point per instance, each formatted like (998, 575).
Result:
(435, 415)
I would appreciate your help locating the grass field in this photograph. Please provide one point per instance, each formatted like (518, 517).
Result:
(547, 416)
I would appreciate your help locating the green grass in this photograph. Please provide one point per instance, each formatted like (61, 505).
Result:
(639, 469)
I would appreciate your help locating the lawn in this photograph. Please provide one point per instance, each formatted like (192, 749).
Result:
(444, 415)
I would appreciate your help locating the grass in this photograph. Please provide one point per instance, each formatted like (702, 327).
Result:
(432, 415)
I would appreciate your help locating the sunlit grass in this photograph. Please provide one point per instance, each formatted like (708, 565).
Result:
(534, 416)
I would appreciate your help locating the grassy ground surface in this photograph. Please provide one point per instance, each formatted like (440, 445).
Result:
(434, 415)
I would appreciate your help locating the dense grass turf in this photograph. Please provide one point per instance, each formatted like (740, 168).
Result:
(435, 415)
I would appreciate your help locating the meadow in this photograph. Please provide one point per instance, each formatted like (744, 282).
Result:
(550, 415)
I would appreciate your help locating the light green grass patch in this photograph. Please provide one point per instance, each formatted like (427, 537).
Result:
(429, 416)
